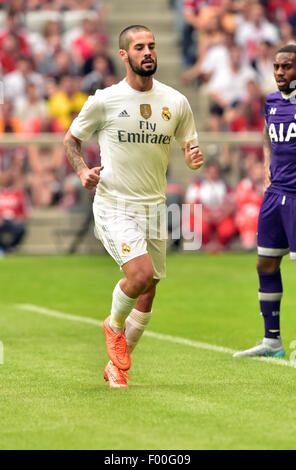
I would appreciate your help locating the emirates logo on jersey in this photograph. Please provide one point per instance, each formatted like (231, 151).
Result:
(145, 110)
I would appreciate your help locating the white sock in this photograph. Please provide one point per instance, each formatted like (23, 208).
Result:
(135, 324)
(121, 307)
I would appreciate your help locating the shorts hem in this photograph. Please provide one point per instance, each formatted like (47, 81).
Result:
(272, 252)
(133, 257)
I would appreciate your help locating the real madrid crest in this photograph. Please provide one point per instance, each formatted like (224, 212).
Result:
(145, 110)
(125, 248)
(166, 114)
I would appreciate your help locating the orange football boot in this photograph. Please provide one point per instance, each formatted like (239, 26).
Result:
(117, 378)
(116, 347)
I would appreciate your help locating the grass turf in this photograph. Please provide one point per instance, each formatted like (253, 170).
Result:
(52, 393)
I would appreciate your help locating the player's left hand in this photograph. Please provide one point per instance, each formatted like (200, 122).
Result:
(193, 156)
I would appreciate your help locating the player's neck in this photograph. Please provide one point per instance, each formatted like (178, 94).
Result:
(139, 83)
(288, 93)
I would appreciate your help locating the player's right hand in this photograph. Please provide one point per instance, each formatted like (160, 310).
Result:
(90, 177)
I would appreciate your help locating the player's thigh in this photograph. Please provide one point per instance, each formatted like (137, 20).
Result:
(139, 267)
(288, 210)
(272, 239)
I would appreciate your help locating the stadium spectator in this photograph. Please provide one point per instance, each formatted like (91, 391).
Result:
(287, 34)
(263, 65)
(64, 64)
(17, 9)
(99, 51)
(227, 89)
(98, 76)
(9, 51)
(13, 26)
(188, 34)
(218, 206)
(45, 174)
(84, 43)
(253, 29)
(15, 82)
(71, 194)
(31, 110)
(279, 11)
(67, 101)
(96, 5)
(50, 43)
(13, 208)
(248, 117)
(215, 58)
(211, 21)
(9, 122)
(248, 198)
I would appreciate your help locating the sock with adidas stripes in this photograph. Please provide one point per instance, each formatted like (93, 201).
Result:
(135, 323)
(121, 307)
(270, 295)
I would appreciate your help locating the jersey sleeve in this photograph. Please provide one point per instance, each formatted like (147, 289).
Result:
(89, 120)
(186, 129)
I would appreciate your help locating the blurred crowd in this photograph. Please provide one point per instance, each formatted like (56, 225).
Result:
(53, 54)
(228, 49)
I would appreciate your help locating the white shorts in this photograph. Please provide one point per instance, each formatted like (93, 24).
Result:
(131, 230)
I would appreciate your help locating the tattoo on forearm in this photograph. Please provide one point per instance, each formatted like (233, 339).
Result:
(74, 154)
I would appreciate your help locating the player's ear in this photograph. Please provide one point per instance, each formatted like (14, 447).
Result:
(123, 55)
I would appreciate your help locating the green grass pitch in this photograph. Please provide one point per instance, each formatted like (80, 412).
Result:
(182, 395)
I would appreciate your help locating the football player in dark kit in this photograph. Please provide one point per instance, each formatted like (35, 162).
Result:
(277, 218)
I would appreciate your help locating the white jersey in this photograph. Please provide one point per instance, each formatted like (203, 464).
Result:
(135, 131)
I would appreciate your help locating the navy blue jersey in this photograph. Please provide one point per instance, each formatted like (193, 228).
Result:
(280, 116)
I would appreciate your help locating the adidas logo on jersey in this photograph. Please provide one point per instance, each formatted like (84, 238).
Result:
(123, 113)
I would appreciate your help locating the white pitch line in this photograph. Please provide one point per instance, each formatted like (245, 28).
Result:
(151, 334)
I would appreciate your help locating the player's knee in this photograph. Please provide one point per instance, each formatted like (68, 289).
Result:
(142, 280)
(268, 265)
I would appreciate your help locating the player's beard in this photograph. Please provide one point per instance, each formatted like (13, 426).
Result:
(138, 69)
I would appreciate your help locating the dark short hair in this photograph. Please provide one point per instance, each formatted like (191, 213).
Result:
(124, 37)
(289, 48)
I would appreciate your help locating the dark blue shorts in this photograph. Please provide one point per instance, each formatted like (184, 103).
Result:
(277, 226)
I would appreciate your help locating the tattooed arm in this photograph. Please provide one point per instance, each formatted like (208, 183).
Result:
(89, 176)
(267, 157)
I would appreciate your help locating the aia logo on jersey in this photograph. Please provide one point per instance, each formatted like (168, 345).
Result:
(145, 110)
(277, 132)
(166, 114)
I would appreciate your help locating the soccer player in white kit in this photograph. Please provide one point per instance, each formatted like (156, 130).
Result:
(136, 121)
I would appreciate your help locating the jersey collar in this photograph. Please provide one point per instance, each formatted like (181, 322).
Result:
(137, 91)
(287, 96)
